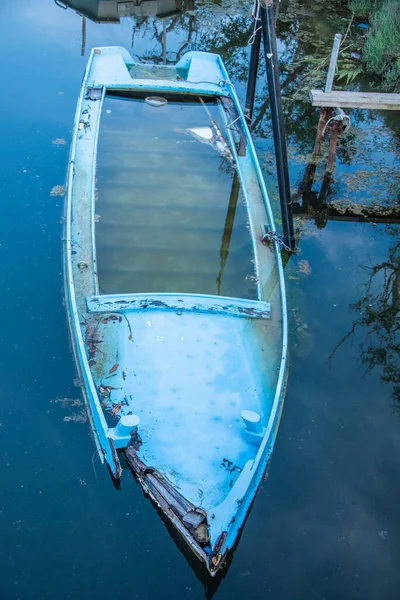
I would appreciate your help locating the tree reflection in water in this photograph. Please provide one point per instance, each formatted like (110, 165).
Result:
(379, 315)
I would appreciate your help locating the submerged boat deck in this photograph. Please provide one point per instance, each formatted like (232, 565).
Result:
(171, 217)
(189, 400)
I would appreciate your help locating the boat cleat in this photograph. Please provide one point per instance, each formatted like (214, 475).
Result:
(254, 430)
(121, 434)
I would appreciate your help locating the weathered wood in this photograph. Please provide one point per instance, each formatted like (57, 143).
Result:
(355, 100)
(236, 307)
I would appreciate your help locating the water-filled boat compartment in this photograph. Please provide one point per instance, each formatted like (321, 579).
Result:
(170, 215)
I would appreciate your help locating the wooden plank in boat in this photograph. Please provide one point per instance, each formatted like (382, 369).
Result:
(237, 307)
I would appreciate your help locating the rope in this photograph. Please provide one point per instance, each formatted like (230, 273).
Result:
(341, 118)
(256, 16)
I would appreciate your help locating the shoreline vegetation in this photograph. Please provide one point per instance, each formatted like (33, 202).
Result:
(381, 44)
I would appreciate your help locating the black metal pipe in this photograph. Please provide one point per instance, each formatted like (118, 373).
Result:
(252, 81)
(278, 125)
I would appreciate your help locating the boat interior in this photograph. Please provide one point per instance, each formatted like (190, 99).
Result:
(171, 213)
(190, 357)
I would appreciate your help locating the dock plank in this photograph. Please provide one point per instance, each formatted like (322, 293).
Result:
(355, 100)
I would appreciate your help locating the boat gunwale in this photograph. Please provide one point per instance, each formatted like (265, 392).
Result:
(278, 257)
(90, 395)
(262, 457)
(93, 199)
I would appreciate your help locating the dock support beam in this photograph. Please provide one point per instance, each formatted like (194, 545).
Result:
(254, 59)
(278, 126)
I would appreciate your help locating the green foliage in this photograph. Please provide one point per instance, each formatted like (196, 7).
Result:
(349, 66)
(362, 7)
(382, 44)
(349, 72)
(382, 47)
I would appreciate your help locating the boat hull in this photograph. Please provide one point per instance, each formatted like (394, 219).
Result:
(189, 386)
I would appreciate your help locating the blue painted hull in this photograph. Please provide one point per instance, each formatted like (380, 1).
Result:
(189, 386)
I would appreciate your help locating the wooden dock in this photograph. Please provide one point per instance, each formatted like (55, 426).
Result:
(355, 100)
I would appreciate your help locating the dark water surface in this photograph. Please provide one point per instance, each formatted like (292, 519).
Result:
(326, 524)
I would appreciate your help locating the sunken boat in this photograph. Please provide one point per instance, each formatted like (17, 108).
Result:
(175, 289)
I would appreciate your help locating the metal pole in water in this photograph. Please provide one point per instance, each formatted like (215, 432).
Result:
(332, 63)
(278, 125)
(83, 44)
(328, 88)
(254, 58)
(164, 42)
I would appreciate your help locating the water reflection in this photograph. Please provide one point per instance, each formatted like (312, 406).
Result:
(112, 11)
(167, 203)
(328, 514)
(139, 11)
(379, 316)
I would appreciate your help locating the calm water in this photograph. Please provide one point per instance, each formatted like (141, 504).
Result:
(193, 236)
(326, 524)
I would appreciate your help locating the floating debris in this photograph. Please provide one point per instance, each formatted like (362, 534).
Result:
(155, 101)
(67, 402)
(304, 267)
(58, 190)
(59, 142)
(203, 134)
(79, 417)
